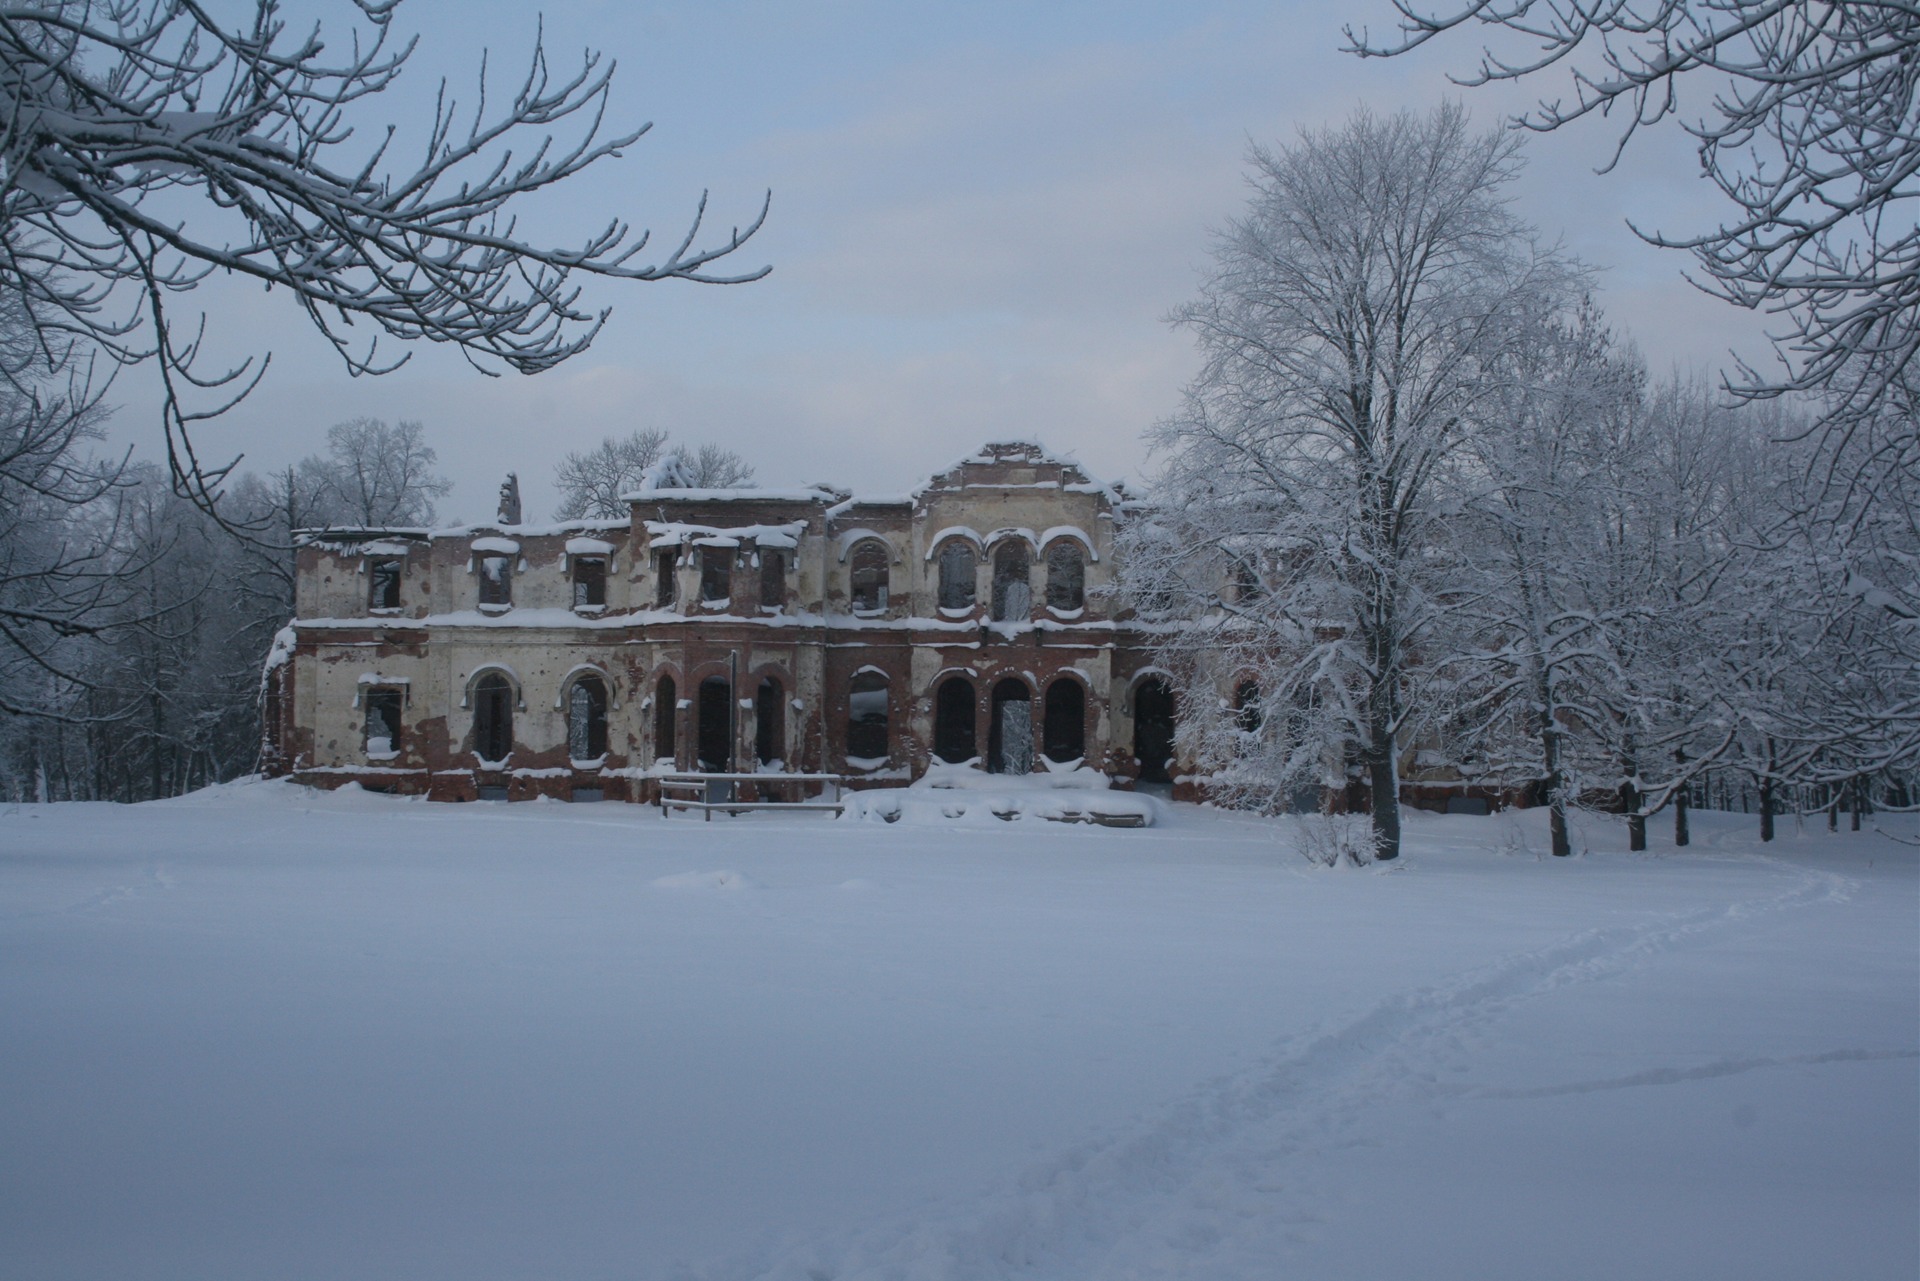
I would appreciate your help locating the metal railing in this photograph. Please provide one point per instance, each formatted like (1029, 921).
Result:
(707, 792)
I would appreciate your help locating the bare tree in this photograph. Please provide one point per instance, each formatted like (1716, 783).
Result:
(1810, 134)
(1347, 330)
(59, 559)
(375, 474)
(713, 467)
(592, 482)
(145, 145)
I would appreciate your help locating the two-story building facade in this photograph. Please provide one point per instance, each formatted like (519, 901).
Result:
(969, 621)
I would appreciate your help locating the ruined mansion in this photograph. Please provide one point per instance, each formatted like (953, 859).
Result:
(736, 630)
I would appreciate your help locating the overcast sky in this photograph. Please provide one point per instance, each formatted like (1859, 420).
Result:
(982, 214)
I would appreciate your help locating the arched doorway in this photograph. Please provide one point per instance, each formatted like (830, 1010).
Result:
(1064, 733)
(1153, 729)
(587, 719)
(493, 717)
(954, 738)
(769, 723)
(714, 738)
(1010, 736)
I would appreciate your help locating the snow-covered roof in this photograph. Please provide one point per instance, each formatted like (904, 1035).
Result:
(675, 533)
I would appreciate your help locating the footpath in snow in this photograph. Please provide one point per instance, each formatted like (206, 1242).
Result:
(263, 1031)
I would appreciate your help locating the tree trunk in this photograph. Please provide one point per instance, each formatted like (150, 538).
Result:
(1556, 785)
(1682, 834)
(1385, 789)
(1630, 803)
(1766, 807)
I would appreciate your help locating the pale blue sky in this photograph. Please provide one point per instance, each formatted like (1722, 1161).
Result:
(981, 215)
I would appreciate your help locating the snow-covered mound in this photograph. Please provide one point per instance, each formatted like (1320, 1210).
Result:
(961, 793)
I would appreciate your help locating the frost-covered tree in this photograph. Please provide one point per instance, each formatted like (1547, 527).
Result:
(1350, 331)
(1804, 121)
(146, 144)
(712, 467)
(1536, 634)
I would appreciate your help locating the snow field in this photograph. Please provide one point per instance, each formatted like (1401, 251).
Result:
(263, 1031)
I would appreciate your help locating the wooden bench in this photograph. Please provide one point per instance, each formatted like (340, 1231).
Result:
(695, 790)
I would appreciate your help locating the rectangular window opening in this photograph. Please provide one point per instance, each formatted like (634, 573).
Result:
(496, 580)
(383, 722)
(589, 582)
(383, 583)
(665, 563)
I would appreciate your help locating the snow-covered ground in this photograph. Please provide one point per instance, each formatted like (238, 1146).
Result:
(264, 1032)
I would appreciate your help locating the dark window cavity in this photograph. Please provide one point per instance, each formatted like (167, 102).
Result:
(955, 738)
(773, 578)
(956, 575)
(716, 575)
(383, 721)
(1066, 577)
(1246, 581)
(714, 743)
(665, 588)
(1246, 707)
(1064, 733)
(496, 580)
(867, 719)
(589, 581)
(587, 719)
(493, 717)
(1153, 730)
(870, 585)
(769, 722)
(665, 710)
(383, 582)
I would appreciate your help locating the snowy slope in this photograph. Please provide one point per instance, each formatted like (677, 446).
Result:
(268, 1032)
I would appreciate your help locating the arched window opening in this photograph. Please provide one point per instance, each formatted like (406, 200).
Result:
(955, 739)
(715, 741)
(957, 569)
(769, 723)
(1064, 731)
(1010, 749)
(1247, 713)
(1012, 588)
(493, 718)
(665, 710)
(773, 578)
(867, 746)
(1153, 730)
(870, 576)
(587, 719)
(1066, 577)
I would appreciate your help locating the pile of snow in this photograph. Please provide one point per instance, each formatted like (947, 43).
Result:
(964, 793)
